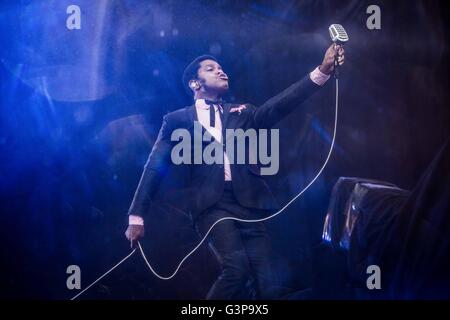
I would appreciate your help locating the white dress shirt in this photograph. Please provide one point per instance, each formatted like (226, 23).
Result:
(203, 117)
(202, 109)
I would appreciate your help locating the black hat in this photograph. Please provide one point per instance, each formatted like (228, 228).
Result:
(190, 72)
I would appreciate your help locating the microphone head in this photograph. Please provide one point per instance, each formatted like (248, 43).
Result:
(338, 34)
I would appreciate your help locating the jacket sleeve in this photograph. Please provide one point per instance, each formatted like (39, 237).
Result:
(279, 106)
(154, 169)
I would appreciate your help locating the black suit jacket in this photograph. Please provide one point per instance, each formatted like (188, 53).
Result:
(192, 188)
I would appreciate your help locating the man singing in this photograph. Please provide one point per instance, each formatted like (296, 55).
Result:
(209, 192)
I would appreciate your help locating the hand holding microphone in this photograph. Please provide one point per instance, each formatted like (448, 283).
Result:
(339, 37)
(334, 57)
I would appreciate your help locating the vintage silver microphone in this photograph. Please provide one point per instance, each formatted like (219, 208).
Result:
(338, 36)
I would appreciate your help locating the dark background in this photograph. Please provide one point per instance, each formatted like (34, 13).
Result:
(80, 109)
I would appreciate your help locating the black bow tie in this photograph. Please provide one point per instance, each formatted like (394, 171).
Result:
(211, 102)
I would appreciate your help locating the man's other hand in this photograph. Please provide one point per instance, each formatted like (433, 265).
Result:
(134, 233)
(327, 66)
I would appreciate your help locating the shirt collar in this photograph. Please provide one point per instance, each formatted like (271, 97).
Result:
(201, 104)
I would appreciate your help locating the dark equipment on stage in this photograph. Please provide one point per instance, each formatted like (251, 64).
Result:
(403, 233)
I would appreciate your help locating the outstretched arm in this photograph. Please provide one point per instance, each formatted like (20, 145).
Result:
(276, 108)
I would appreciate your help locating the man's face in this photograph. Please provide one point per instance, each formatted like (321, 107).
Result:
(212, 78)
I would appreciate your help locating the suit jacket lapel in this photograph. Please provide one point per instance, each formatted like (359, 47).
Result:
(226, 113)
(192, 115)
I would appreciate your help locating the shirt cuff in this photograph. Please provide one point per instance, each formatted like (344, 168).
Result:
(318, 77)
(136, 220)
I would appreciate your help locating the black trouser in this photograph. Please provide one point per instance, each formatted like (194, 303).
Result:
(242, 249)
